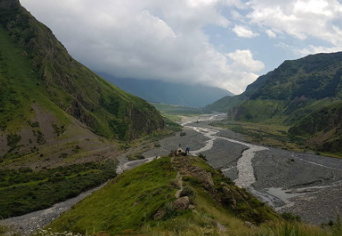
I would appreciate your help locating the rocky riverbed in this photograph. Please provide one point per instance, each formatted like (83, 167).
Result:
(304, 184)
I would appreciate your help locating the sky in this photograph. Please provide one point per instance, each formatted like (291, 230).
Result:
(219, 43)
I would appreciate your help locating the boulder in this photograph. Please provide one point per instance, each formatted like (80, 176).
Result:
(249, 224)
(182, 203)
(160, 214)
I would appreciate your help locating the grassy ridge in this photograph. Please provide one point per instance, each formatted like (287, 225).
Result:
(128, 205)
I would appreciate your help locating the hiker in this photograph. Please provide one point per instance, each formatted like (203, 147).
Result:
(186, 151)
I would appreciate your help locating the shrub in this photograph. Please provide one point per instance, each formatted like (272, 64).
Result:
(13, 139)
(187, 191)
(202, 156)
(290, 217)
(34, 124)
(63, 155)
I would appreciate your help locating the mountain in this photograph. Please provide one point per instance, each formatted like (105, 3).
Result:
(46, 96)
(304, 94)
(169, 93)
(170, 194)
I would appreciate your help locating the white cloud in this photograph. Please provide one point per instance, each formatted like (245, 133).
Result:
(271, 34)
(148, 39)
(317, 49)
(243, 59)
(244, 32)
(320, 19)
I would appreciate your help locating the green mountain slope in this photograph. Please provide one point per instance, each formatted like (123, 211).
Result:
(304, 93)
(125, 206)
(41, 82)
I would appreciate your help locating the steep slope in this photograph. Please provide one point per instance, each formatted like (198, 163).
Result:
(170, 93)
(43, 90)
(228, 102)
(123, 206)
(304, 93)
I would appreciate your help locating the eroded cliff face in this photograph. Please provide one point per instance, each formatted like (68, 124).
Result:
(144, 123)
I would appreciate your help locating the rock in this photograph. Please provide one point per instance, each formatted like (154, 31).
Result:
(136, 203)
(229, 195)
(160, 214)
(192, 207)
(249, 224)
(182, 203)
(128, 231)
(102, 233)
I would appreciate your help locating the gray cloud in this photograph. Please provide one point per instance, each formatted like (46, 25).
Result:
(148, 39)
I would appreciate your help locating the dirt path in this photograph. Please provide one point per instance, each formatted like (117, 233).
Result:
(179, 180)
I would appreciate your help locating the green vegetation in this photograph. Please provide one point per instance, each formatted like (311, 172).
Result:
(124, 207)
(127, 202)
(35, 69)
(170, 125)
(269, 135)
(167, 109)
(23, 191)
(303, 95)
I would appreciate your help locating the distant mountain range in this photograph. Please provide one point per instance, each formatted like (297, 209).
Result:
(304, 94)
(169, 93)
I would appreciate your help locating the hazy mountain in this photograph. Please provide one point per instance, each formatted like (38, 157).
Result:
(169, 93)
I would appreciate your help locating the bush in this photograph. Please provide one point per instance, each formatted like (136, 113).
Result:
(63, 155)
(157, 145)
(187, 191)
(204, 157)
(13, 139)
(290, 217)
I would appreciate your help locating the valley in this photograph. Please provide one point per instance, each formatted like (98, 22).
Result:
(303, 184)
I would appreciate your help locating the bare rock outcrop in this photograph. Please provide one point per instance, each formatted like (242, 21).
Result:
(182, 203)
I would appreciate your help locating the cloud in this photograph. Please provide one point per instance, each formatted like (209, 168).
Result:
(244, 32)
(320, 19)
(311, 49)
(150, 39)
(243, 59)
(271, 34)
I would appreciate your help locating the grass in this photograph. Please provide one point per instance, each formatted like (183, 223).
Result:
(272, 135)
(36, 69)
(128, 204)
(269, 135)
(148, 185)
(24, 191)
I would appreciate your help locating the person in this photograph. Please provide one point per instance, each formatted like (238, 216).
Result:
(186, 151)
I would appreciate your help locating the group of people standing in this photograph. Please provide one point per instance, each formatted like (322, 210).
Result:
(187, 150)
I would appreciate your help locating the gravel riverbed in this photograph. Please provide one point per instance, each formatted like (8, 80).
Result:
(304, 184)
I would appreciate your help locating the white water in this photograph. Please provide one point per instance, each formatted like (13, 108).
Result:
(244, 166)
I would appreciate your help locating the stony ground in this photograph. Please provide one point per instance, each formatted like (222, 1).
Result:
(315, 180)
